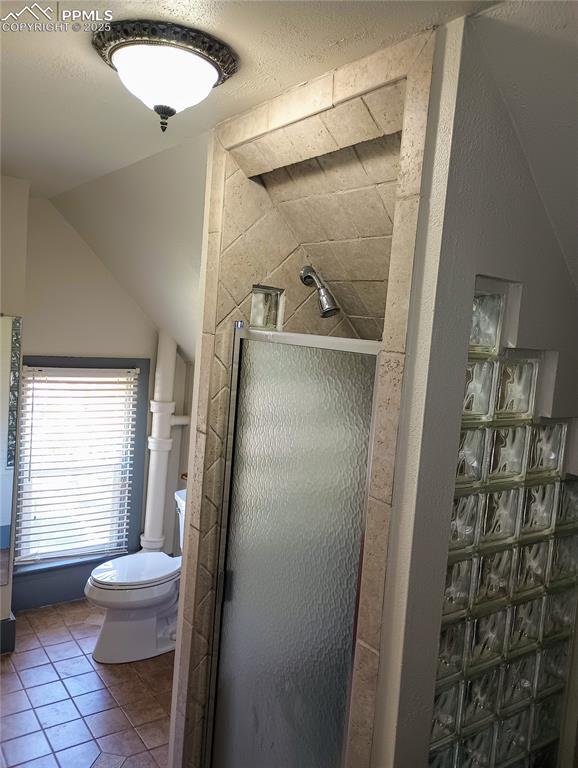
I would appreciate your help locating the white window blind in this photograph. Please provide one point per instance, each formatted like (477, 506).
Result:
(76, 457)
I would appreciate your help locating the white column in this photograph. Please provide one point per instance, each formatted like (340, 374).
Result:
(160, 443)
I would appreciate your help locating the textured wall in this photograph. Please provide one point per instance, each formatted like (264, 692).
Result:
(334, 212)
(144, 222)
(14, 199)
(331, 180)
(527, 47)
(340, 206)
(14, 228)
(74, 306)
(496, 224)
(483, 216)
(377, 113)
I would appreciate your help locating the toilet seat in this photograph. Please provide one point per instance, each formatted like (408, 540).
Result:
(139, 594)
(141, 570)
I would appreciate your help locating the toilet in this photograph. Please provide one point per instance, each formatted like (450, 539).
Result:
(140, 594)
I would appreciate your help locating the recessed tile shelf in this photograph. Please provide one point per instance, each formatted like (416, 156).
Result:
(510, 595)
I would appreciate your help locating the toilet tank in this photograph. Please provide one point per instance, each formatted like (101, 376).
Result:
(181, 499)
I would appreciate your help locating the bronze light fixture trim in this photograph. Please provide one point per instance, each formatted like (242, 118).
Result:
(161, 62)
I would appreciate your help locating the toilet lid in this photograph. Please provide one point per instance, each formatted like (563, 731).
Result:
(139, 569)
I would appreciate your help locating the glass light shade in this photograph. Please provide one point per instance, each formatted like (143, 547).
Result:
(162, 75)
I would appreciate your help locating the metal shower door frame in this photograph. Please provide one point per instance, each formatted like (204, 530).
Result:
(241, 333)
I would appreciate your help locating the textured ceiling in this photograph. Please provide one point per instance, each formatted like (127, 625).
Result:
(66, 118)
(531, 49)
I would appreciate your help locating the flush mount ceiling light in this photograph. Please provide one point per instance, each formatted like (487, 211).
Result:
(167, 66)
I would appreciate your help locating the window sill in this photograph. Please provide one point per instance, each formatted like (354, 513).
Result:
(68, 562)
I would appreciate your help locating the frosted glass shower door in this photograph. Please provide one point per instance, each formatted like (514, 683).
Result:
(296, 516)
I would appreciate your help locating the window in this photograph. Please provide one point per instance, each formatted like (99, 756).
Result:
(76, 462)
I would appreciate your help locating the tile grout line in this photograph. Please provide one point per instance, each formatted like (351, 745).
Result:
(140, 671)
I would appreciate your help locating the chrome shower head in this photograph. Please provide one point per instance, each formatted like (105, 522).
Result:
(327, 304)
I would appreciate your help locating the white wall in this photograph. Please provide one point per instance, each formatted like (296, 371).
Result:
(496, 223)
(14, 214)
(74, 306)
(145, 224)
(6, 473)
(13, 236)
(531, 49)
(483, 217)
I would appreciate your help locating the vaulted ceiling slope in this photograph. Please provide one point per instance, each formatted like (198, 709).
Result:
(67, 119)
(531, 49)
(145, 222)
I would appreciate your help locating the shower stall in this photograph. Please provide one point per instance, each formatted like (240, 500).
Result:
(296, 479)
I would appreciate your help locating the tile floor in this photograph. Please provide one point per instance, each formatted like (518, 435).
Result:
(61, 709)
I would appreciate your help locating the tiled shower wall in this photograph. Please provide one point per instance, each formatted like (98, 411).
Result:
(340, 206)
(249, 240)
(334, 212)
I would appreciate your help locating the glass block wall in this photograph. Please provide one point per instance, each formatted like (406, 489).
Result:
(510, 594)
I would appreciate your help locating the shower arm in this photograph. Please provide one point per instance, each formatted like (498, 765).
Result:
(327, 304)
(310, 277)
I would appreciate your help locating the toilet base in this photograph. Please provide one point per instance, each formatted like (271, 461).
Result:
(134, 634)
